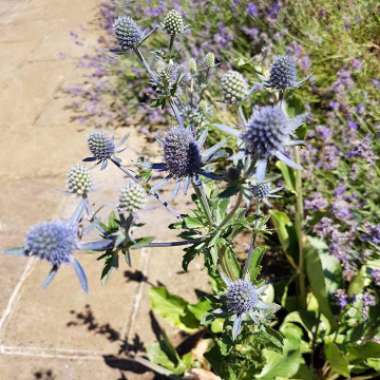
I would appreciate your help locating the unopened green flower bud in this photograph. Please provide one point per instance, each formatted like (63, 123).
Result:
(234, 87)
(173, 23)
(210, 60)
(192, 65)
(132, 198)
(79, 181)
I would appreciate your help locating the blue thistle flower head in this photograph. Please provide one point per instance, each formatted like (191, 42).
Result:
(52, 241)
(127, 32)
(243, 301)
(268, 133)
(241, 297)
(283, 74)
(261, 191)
(181, 153)
(184, 158)
(101, 146)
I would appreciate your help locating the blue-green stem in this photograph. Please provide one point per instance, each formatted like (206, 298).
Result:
(144, 62)
(299, 231)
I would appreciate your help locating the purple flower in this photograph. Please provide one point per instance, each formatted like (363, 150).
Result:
(357, 64)
(376, 83)
(305, 63)
(323, 131)
(371, 233)
(342, 210)
(368, 299)
(339, 190)
(330, 157)
(324, 227)
(375, 274)
(334, 105)
(352, 125)
(316, 202)
(341, 298)
(252, 10)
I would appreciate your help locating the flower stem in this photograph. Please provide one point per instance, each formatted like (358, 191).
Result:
(164, 244)
(171, 43)
(199, 190)
(300, 236)
(243, 120)
(144, 62)
(176, 112)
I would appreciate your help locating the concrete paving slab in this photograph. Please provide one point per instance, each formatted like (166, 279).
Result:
(25, 95)
(31, 368)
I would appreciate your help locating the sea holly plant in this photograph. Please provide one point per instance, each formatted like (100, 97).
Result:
(276, 309)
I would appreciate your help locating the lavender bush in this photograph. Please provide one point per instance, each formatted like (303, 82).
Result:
(302, 301)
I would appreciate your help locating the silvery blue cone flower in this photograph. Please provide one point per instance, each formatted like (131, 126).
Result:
(127, 32)
(283, 74)
(103, 149)
(261, 192)
(268, 133)
(56, 241)
(183, 158)
(243, 301)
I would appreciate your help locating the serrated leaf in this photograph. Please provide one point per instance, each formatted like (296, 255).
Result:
(142, 242)
(364, 351)
(172, 308)
(337, 360)
(193, 222)
(200, 309)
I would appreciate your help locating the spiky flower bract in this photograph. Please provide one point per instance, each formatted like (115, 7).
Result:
(127, 32)
(132, 198)
(283, 74)
(101, 146)
(181, 153)
(261, 191)
(184, 159)
(173, 23)
(267, 133)
(52, 241)
(234, 87)
(244, 300)
(79, 181)
(241, 297)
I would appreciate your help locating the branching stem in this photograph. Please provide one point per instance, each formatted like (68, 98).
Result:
(299, 230)
(144, 62)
